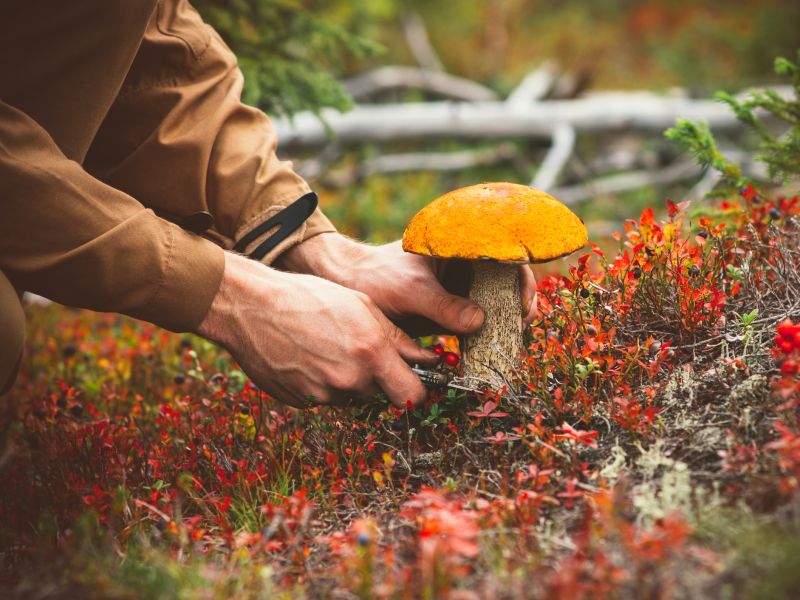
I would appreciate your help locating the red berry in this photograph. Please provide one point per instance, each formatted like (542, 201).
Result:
(786, 346)
(789, 368)
(786, 328)
(451, 358)
(797, 339)
(439, 349)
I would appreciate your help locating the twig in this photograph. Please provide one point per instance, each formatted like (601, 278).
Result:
(420, 43)
(556, 158)
(535, 85)
(614, 184)
(384, 79)
(422, 161)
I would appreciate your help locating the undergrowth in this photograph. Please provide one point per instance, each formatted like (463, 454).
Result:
(648, 447)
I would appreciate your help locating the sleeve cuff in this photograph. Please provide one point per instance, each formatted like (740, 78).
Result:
(317, 223)
(191, 277)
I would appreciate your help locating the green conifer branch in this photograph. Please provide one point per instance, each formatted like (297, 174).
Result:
(780, 153)
(287, 52)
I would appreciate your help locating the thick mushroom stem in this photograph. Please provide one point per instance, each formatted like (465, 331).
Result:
(491, 355)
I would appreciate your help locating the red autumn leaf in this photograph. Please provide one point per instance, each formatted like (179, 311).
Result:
(487, 411)
(570, 433)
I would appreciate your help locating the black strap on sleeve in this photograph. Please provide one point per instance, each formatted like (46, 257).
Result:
(289, 219)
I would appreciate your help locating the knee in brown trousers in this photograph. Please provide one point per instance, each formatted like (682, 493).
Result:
(12, 333)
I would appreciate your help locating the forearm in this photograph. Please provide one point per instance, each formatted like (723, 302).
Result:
(180, 139)
(67, 236)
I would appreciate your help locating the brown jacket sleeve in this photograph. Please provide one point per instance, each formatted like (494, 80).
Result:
(179, 139)
(66, 235)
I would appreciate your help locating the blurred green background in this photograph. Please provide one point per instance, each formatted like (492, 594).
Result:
(294, 52)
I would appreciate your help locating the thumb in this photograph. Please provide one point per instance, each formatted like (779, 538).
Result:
(453, 313)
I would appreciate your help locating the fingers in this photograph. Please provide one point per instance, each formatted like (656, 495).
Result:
(527, 289)
(392, 374)
(453, 313)
(405, 346)
(398, 381)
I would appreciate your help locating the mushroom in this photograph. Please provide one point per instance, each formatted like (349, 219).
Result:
(496, 226)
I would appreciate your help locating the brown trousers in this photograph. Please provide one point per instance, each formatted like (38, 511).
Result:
(12, 333)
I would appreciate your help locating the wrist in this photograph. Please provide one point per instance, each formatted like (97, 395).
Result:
(327, 255)
(221, 322)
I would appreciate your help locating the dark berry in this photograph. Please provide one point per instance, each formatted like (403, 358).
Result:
(76, 410)
(585, 293)
(61, 403)
(68, 351)
(591, 330)
(180, 379)
(655, 347)
(39, 414)
(217, 378)
(162, 524)
(363, 539)
(636, 272)
(703, 234)
(775, 213)
(186, 343)
(694, 271)
(245, 410)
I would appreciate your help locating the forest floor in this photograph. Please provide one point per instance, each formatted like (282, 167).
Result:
(649, 448)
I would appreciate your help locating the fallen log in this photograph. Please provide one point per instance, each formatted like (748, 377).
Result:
(497, 119)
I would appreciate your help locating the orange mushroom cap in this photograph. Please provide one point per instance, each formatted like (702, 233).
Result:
(506, 222)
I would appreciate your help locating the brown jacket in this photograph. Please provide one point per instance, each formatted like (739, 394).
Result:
(109, 110)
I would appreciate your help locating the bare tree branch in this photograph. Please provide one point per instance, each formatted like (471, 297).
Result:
(535, 85)
(556, 158)
(420, 43)
(442, 84)
(674, 173)
(623, 182)
(421, 161)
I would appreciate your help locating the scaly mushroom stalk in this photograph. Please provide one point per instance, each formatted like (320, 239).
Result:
(491, 354)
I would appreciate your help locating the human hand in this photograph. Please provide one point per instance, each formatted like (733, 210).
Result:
(398, 282)
(303, 339)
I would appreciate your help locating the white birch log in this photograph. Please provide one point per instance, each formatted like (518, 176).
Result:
(496, 119)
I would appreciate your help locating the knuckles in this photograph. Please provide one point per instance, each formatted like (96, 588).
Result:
(365, 350)
(349, 380)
